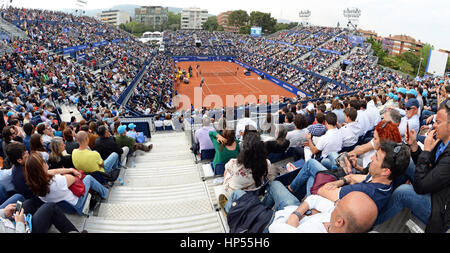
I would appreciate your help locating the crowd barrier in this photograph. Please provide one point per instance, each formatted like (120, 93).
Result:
(123, 98)
(69, 50)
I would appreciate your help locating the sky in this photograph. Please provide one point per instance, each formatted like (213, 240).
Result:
(427, 21)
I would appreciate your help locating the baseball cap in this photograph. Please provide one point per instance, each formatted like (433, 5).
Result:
(402, 90)
(412, 102)
(425, 93)
(395, 97)
(390, 94)
(10, 114)
(121, 129)
(412, 91)
(131, 126)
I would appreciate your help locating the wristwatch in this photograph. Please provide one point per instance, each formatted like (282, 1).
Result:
(297, 214)
(343, 179)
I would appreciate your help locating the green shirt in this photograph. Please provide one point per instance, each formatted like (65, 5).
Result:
(223, 155)
(123, 141)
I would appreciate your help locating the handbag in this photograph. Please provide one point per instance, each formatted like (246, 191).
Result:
(322, 177)
(78, 188)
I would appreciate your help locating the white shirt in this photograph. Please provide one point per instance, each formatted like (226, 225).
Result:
(308, 224)
(330, 142)
(363, 122)
(296, 137)
(373, 114)
(350, 133)
(159, 123)
(59, 191)
(413, 122)
(242, 123)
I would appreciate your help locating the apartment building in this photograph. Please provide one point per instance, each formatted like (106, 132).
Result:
(154, 16)
(222, 20)
(399, 44)
(193, 18)
(114, 17)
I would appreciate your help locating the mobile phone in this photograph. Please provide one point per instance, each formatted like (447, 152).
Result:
(18, 206)
(407, 130)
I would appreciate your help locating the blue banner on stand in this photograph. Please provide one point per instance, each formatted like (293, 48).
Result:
(329, 51)
(355, 40)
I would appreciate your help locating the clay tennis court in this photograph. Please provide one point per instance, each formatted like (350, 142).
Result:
(235, 84)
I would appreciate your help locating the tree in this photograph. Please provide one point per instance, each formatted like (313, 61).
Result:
(412, 58)
(137, 29)
(424, 53)
(244, 29)
(174, 21)
(238, 18)
(378, 49)
(263, 20)
(211, 24)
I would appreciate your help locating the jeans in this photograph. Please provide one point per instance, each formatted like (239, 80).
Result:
(405, 197)
(407, 175)
(50, 214)
(12, 200)
(90, 183)
(330, 161)
(306, 177)
(112, 162)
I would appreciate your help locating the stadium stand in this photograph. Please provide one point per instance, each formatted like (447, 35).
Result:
(66, 76)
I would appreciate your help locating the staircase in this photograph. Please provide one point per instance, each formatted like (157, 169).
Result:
(338, 62)
(11, 30)
(162, 192)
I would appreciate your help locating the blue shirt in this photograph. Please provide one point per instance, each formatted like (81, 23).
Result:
(440, 150)
(6, 180)
(379, 193)
(18, 180)
(26, 142)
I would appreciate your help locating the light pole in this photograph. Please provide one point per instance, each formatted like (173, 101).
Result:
(419, 67)
(305, 15)
(353, 15)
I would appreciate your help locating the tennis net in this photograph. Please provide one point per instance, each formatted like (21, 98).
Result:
(209, 74)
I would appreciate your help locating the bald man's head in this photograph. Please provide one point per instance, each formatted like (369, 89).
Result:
(355, 213)
(82, 137)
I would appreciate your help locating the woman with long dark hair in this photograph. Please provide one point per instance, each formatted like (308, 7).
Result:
(53, 185)
(37, 145)
(249, 171)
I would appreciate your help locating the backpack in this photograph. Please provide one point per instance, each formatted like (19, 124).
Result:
(249, 215)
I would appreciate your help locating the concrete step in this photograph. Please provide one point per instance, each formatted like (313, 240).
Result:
(125, 194)
(170, 208)
(161, 180)
(203, 223)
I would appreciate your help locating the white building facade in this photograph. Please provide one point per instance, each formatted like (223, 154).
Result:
(114, 17)
(193, 18)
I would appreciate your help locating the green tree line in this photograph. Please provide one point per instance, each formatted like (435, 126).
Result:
(408, 62)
